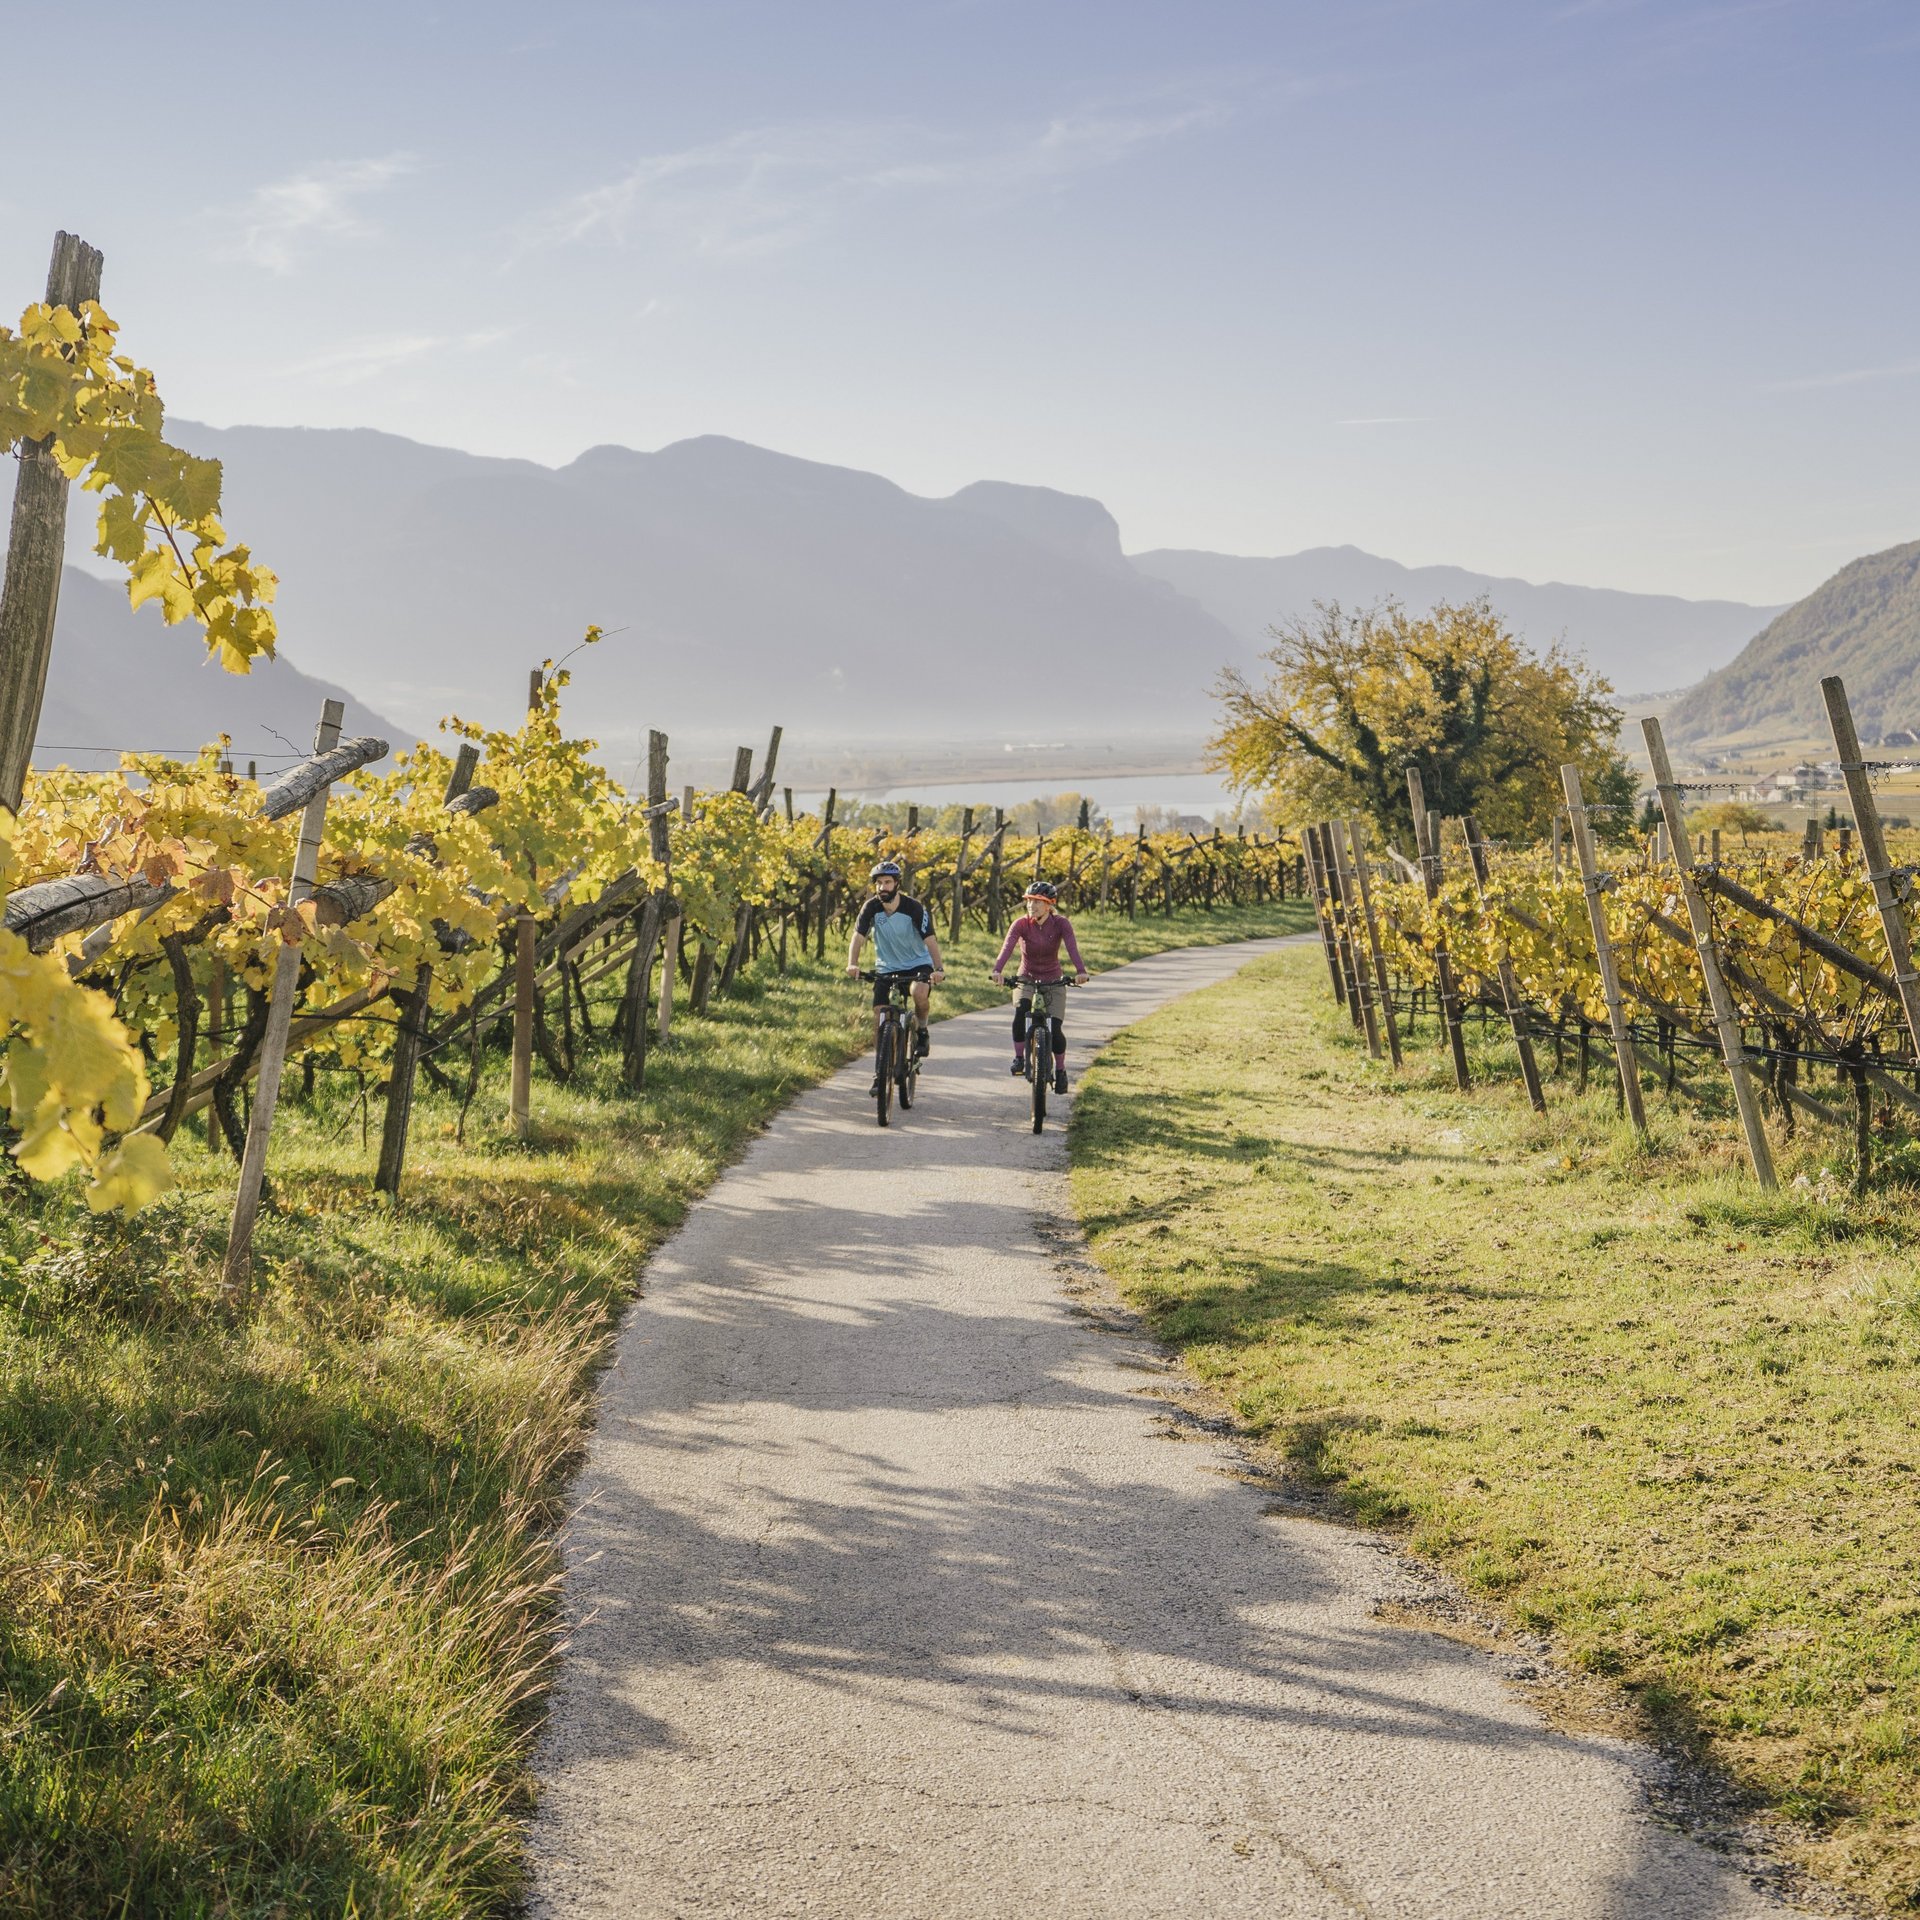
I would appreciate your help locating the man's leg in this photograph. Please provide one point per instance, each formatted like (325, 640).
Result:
(879, 1020)
(922, 996)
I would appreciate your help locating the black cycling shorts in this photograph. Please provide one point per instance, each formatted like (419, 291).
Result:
(883, 982)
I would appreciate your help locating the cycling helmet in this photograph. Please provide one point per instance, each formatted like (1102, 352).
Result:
(1043, 890)
(885, 866)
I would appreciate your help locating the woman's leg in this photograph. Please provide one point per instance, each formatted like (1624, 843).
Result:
(1056, 1018)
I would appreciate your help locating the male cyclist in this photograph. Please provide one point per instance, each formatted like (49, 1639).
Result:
(1040, 933)
(903, 942)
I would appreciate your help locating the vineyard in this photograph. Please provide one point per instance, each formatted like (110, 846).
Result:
(491, 888)
(1788, 970)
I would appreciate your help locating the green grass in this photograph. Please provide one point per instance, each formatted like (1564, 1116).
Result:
(276, 1596)
(1627, 1399)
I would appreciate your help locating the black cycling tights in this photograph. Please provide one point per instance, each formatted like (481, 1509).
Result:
(1020, 1029)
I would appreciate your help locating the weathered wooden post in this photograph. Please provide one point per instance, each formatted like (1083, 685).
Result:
(1351, 958)
(1323, 910)
(1385, 993)
(305, 787)
(960, 875)
(670, 935)
(36, 550)
(763, 787)
(1106, 868)
(1873, 848)
(1726, 1018)
(1594, 887)
(994, 925)
(744, 912)
(1513, 1005)
(1426, 848)
(410, 1037)
(524, 932)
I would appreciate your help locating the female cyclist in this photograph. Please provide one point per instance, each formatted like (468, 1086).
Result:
(1040, 933)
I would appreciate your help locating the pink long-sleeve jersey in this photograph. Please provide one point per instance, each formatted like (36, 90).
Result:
(1039, 942)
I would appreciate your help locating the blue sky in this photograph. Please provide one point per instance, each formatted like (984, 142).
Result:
(1614, 291)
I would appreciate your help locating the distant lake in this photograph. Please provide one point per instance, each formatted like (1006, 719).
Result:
(1120, 799)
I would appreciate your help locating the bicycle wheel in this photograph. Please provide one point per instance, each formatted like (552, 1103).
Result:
(1040, 1071)
(883, 1068)
(909, 1072)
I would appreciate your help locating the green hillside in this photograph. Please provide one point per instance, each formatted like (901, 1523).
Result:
(1864, 624)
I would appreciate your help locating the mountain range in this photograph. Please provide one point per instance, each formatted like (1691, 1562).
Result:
(1643, 642)
(120, 680)
(739, 587)
(1863, 624)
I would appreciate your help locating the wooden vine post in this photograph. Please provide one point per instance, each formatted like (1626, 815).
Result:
(1426, 848)
(656, 915)
(676, 926)
(1383, 991)
(1510, 1000)
(1594, 886)
(305, 787)
(959, 877)
(1350, 956)
(1726, 1018)
(994, 876)
(410, 1039)
(524, 933)
(36, 551)
(1322, 909)
(1873, 849)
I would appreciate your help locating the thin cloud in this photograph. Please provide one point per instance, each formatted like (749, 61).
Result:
(364, 360)
(769, 189)
(278, 222)
(1387, 420)
(1848, 377)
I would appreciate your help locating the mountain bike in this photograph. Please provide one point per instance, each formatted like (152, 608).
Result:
(1040, 1046)
(896, 1066)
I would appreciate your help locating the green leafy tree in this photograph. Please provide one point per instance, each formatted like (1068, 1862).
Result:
(1731, 816)
(1356, 699)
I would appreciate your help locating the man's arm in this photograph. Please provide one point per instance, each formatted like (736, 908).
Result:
(933, 954)
(862, 921)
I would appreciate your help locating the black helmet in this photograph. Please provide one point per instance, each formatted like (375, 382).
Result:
(885, 866)
(1043, 890)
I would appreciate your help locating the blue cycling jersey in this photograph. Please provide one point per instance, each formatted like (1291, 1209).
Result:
(900, 937)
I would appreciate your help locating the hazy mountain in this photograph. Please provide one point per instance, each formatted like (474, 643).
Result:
(1642, 642)
(1863, 624)
(120, 679)
(738, 587)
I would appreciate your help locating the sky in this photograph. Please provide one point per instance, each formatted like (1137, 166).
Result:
(1620, 292)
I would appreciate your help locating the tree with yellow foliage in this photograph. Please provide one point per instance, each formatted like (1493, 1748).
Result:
(1355, 699)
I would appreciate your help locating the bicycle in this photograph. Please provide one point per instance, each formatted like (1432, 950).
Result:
(1040, 1047)
(895, 1063)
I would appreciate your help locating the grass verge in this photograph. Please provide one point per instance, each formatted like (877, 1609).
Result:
(1623, 1396)
(275, 1596)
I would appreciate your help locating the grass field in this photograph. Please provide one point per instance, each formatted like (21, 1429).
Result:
(276, 1602)
(1630, 1402)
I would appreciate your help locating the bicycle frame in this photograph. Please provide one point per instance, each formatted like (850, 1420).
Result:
(1039, 1070)
(895, 1064)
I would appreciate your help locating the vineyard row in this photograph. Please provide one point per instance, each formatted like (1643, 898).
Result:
(1776, 966)
(195, 930)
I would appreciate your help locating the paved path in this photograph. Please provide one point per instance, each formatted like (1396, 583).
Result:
(893, 1596)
